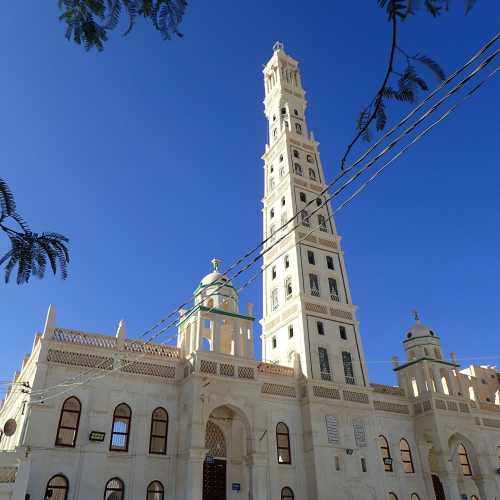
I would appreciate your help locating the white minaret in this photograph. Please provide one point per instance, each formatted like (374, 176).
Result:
(307, 302)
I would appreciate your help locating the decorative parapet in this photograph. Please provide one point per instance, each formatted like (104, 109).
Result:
(275, 370)
(388, 389)
(489, 406)
(94, 340)
(391, 407)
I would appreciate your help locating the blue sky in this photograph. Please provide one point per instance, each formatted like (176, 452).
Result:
(148, 157)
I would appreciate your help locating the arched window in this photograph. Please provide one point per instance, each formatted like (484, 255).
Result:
(406, 457)
(393, 496)
(288, 287)
(115, 489)
(298, 128)
(414, 496)
(385, 453)
(287, 493)
(57, 488)
(159, 431)
(298, 168)
(472, 394)
(463, 460)
(312, 174)
(67, 430)
(283, 444)
(156, 491)
(322, 223)
(120, 431)
(474, 497)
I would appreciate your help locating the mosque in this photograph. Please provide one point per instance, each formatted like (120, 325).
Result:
(92, 416)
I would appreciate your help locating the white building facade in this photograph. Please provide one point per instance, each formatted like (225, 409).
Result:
(92, 416)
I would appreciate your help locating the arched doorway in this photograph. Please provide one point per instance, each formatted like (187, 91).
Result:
(438, 487)
(225, 469)
(436, 482)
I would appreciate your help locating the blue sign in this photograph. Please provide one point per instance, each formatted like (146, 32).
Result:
(236, 487)
(209, 459)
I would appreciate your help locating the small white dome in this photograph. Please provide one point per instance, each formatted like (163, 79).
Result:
(419, 330)
(215, 277)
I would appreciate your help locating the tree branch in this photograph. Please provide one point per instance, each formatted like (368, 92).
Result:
(379, 95)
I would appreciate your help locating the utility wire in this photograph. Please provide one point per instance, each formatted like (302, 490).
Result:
(460, 85)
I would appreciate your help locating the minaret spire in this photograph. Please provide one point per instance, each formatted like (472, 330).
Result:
(307, 307)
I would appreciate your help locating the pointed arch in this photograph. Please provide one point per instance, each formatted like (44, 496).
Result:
(115, 489)
(159, 432)
(155, 491)
(287, 493)
(57, 488)
(385, 453)
(463, 460)
(283, 443)
(406, 456)
(215, 441)
(69, 422)
(120, 430)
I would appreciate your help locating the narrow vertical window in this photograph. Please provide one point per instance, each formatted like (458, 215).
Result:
(318, 201)
(342, 332)
(288, 287)
(305, 218)
(309, 158)
(274, 342)
(274, 299)
(337, 463)
(272, 213)
(296, 154)
(385, 453)
(320, 327)
(287, 262)
(348, 369)
(57, 488)
(283, 201)
(302, 197)
(283, 444)
(324, 364)
(334, 291)
(155, 491)
(363, 464)
(290, 331)
(310, 257)
(406, 458)
(159, 432)
(287, 494)
(120, 431)
(273, 272)
(312, 174)
(314, 284)
(69, 420)
(322, 223)
(297, 168)
(298, 128)
(463, 460)
(114, 490)
(272, 231)
(329, 262)
(282, 171)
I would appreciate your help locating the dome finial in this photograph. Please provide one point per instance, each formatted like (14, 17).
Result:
(216, 263)
(278, 46)
(416, 315)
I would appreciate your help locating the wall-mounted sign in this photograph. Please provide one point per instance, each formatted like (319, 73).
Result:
(498, 471)
(97, 436)
(209, 459)
(387, 461)
(236, 487)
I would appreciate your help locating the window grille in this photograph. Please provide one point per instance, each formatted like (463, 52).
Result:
(324, 364)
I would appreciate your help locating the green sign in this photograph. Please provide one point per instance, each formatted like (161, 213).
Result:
(97, 436)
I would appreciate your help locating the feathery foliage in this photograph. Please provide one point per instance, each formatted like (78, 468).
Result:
(89, 21)
(403, 85)
(29, 251)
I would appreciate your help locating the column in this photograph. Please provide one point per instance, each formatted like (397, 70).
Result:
(249, 340)
(216, 335)
(194, 474)
(258, 476)
(437, 379)
(236, 338)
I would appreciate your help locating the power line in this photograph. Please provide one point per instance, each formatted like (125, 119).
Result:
(460, 85)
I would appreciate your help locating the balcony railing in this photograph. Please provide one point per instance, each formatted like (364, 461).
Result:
(334, 297)
(315, 292)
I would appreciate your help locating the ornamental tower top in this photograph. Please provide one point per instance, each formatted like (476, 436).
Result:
(308, 310)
